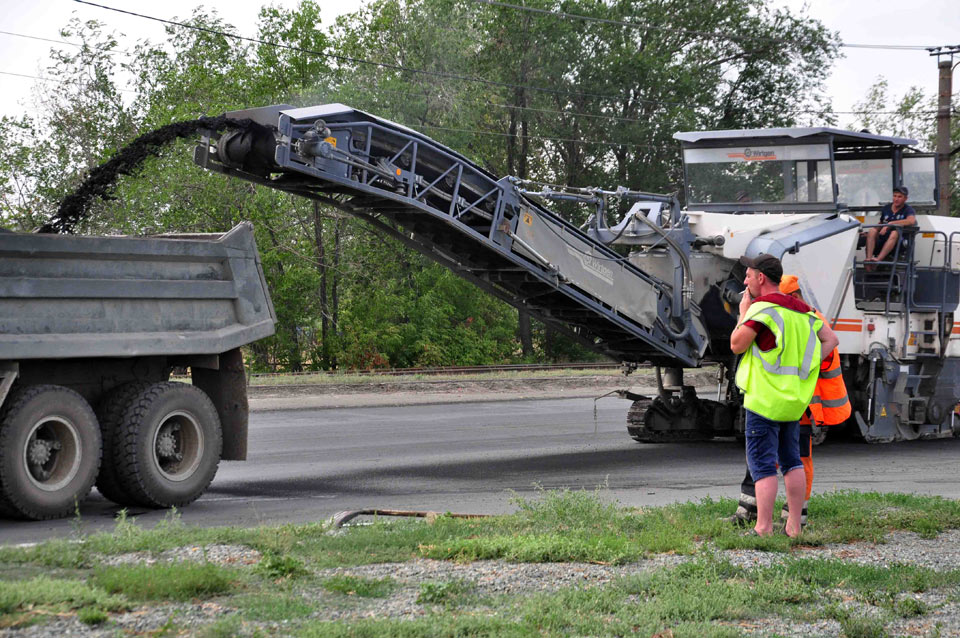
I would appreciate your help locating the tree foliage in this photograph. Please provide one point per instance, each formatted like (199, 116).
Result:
(912, 115)
(573, 100)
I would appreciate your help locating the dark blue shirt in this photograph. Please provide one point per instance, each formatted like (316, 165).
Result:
(887, 214)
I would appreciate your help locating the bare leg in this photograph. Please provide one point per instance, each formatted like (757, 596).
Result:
(889, 245)
(871, 243)
(796, 484)
(766, 495)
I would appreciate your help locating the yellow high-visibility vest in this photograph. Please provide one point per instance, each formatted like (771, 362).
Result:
(778, 384)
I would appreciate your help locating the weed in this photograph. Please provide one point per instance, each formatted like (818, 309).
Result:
(909, 607)
(275, 566)
(863, 627)
(228, 627)
(92, 616)
(273, 607)
(358, 586)
(175, 581)
(448, 594)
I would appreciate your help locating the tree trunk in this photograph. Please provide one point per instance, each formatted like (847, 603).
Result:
(322, 270)
(523, 333)
(296, 361)
(335, 284)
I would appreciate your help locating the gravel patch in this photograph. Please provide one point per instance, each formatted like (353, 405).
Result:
(140, 621)
(227, 555)
(494, 577)
(484, 580)
(940, 554)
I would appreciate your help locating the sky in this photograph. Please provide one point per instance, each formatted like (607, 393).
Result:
(899, 22)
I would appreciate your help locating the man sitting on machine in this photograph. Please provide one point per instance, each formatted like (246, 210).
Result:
(882, 240)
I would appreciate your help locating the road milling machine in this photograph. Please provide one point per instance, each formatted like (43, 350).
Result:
(661, 285)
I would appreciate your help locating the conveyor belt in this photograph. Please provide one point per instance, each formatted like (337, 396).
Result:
(438, 202)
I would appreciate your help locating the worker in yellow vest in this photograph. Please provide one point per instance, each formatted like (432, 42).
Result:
(781, 340)
(829, 406)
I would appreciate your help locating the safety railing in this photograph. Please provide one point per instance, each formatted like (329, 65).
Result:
(890, 278)
(904, 285)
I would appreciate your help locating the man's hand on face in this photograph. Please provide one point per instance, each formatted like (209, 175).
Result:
(745, 301)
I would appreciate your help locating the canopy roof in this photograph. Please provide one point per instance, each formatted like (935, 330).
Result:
(839, 135)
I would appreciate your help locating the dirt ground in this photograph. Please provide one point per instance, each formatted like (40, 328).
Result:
(394, 391)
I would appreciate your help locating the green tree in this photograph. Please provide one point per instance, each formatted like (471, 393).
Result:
(912, 115)
(561, 101)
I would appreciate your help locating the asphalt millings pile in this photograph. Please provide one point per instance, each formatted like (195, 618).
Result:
(100, 181)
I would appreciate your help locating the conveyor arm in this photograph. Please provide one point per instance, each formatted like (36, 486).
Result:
(466, 219)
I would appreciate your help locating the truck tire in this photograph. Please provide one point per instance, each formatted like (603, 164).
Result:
(49, 452)
(110, 413)
(167, 448)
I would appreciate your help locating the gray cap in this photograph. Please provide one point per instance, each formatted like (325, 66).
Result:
(767, 264)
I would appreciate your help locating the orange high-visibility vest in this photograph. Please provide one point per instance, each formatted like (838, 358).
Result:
(829, 405)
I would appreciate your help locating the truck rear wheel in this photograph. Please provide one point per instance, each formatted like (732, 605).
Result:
(110, 413)
(168, 445)
(49, 452)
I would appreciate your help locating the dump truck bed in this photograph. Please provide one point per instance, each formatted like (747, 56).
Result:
(64, 296)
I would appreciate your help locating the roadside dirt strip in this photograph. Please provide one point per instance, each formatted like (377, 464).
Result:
(397, 392)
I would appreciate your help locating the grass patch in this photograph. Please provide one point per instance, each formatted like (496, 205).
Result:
(705, 596)
(359, 586)
(25, 602)
(868, 578)
(849, 516)
(539, 548)
(430, 627)
(174, 581)
(553, 526)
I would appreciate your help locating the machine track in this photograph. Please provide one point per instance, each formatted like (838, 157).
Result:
(639, 430)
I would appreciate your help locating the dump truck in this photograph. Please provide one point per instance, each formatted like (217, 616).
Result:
(661, 284)
(90, 330)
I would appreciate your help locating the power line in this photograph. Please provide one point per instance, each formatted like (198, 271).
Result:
(73, 44)
(371, 90)
(395, 67)
(438, 74)
(42, 79)
(704, 34)
(614, 118)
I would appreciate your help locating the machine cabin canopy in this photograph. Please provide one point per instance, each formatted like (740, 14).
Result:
(803, 170)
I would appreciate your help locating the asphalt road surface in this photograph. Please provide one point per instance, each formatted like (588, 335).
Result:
(306, 465)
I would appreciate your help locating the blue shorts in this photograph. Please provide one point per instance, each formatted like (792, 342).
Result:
(770, 442)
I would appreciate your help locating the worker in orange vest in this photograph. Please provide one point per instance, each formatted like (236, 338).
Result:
(829, 406)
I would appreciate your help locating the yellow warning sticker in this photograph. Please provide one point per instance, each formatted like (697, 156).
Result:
(528, 219)
(883, 410)
(332, 141)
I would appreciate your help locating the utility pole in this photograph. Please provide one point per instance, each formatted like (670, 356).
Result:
(943, 124)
